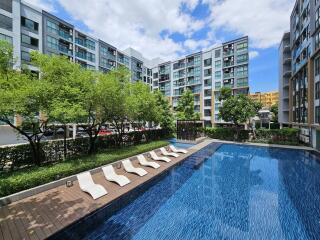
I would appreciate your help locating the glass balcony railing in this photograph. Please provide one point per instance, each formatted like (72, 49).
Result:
(228, 52)
(65, 49)
(65, 35)
(228, 64)
(228, 75)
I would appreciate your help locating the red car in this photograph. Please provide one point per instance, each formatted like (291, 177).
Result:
(104, 132)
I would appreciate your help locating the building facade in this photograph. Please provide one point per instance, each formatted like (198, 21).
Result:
(29, 28)
(304, 84)
(267, 99)
(205, 73)
(285, 73)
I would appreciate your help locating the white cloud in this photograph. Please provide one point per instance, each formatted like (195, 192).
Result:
(43, 4)
(138, 24)
(264, 21)
(253, 54)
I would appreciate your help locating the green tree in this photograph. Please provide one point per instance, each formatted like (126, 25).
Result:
(274, 111)
(142, 104)
(238, 109)
(165, 115)
(225, 93)
(185, 108)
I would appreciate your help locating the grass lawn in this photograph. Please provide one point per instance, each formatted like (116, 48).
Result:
(13, 182)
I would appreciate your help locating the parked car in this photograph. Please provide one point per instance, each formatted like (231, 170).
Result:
(105, 132)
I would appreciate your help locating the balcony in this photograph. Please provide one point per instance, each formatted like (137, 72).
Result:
(228, 52)
(65, 50)
(65, 35)
(228, 75)
(193, 82)
(228, 64)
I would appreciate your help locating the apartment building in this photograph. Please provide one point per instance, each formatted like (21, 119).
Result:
(304, 84)
(29, 28)
(267, 99)
(285, 73)
(204, 73)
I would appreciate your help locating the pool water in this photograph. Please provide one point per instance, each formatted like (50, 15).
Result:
(180, 145)
(238, 192)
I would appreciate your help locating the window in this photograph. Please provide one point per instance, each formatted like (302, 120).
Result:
(29, 40)
(25, 56)
(242, 82)
(217, 85)
(217, 53)
(197, 60)
(5, 22)
(207, 93)
(317, 90)
(104, 51)
(91, 57)
(242, 71)
(207, 72)
(207, 102)
(218, 64)
(6, 5)
(155, 75)
(317, 113)
(242, 46)
(207, 62)
(25, 22)
(104, 62)
(91, 44)
(217, 75)
(317, 40)
(52, 27)
(207, 113)
(317, 66)
(6, 38)
(52, 43)
(242, 58)
(318, 17)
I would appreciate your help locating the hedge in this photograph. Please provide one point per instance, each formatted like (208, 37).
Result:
(227, 134)
(287, 136)
(19, 156)
(12, 182)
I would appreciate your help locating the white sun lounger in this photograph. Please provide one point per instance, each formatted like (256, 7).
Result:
(127, 164)
(87, 184)
(180, 150)
(143, 161)
(155, 157)
(112, 176)
(166, 153)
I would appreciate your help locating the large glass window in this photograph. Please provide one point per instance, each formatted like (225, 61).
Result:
(25, 56)
(5, 22)
(52, 43)
(218, 64)
(6, 5)
(6, 38)
(242, 71)
(91, 44)
(25, 22)
(217, 75)
(91, 57)
(217, 85)
(242, 46)
(52, 27)
(317, 40)
(317, 66)
(242, 82)
(217, 53)
(207, 72)
(318, 17)
(29, 40)
(317, 114)
(207, 62)
(242, 58)
(317, 90)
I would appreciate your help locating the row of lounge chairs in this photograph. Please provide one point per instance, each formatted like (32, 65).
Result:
(87, 184)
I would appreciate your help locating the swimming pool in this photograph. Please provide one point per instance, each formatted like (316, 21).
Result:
(180, 145)
(239, 192)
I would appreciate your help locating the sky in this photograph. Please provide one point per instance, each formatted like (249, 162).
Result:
(172, 28)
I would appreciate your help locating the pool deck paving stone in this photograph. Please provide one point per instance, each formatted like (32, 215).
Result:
(43, 214)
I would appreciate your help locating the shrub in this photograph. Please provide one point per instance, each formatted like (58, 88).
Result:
(226, 133)
(278, 136)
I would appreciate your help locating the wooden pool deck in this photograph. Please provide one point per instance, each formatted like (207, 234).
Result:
(42, 215)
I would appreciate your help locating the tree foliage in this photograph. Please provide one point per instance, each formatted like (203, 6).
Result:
(274, 111)
(185, 108)
(164, 112)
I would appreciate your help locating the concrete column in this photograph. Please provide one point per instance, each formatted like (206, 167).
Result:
(74, 131)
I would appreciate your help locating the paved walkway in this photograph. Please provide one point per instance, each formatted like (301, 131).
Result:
(41, 215)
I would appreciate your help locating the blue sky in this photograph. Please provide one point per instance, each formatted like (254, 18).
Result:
(171, 28)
